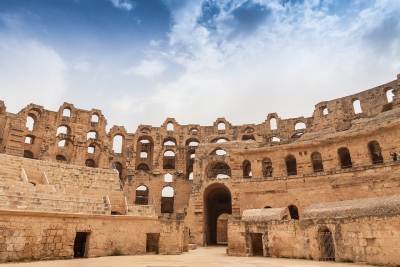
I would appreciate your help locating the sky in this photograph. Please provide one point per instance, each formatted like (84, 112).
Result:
(141, 61)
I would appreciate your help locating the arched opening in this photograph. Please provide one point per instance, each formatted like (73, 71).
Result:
(95, 118)
(143, 167)
(291, 165)
(272, 124)
(169, 160)
(247, 137)
(169, 142)
(30, 122)
(194, 131)
(90, 163)
(63, 143)
(218, 151)
(170, 126)
(317, 162)
(192, 142)
(222, 229)
(218, 170)
(300, 125)
(344, 157)
(294, 213)
(190, 156)
(326, 245)
(275, 139)
(142, 195)
(246, 166)
(357, 106)
(61, 159)
(118, 166)
(375, 152)
(118, 143)
(219, 140)
(221, 126)
(389, 95)
(168, 178)
(63, 130)
(144, 151)
(296, 136)
(267, 207)
(324, 111)
(167, 200)
(66, 112)
(28, 154)
(217, 201)
(29, 139)
(91, 134)
(90, 149)
(267, 168)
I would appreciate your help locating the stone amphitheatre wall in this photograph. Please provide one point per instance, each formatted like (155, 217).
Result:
(68, 157)
(44, 235)
(370, 239)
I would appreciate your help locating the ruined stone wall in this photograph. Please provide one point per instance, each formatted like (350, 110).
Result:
(49, 235)
(372, 239)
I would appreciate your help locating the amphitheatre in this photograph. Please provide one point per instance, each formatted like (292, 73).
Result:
(322, 188)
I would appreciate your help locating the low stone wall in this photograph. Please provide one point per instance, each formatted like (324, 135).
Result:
(44, 235)
(368, 239)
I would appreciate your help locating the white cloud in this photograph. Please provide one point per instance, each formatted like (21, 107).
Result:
(296, 59)
(123, 4)
(30, 72)
(147, 68)
(82, 66)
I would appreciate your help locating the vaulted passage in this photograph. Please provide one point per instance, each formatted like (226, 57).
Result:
(217, 201)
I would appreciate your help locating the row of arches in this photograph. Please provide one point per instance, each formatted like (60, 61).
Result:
(167, 198)
(222, 170)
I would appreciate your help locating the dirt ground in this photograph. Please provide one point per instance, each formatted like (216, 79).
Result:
(203, 256)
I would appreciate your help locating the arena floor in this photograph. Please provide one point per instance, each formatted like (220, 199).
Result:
(203, 256)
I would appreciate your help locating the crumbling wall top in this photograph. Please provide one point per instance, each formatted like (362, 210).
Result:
(378, 206)
(266, 214)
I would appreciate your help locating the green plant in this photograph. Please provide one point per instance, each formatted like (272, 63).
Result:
(116, 252)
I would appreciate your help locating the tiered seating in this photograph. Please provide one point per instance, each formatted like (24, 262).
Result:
(16, 195)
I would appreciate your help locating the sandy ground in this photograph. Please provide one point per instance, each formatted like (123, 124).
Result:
(203, 256)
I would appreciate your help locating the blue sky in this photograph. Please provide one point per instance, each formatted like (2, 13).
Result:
(145, 60)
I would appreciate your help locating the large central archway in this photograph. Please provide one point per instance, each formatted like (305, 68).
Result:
(217, 201)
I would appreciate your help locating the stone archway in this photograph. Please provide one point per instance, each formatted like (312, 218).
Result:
(217, 201)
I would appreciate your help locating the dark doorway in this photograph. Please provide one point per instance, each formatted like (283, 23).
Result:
(217, 201)
(375, 152)
(345, 158)
(80, 244)
(152, 240)
(294, 213)
(326, 245)
(256, 244)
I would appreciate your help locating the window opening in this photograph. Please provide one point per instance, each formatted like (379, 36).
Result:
(221, 140)
(275, 139)
(246, 166)
(300, 125)
(143, 155)
(345, 158)
(28, 154)
(90, 150)
(95, 118)
(170, 126)
(30, 122)
(168, 178)
(291, 165)
(169, 143)
(273, 124)
(190, 176)
(317, 162)
(357, 106)
(92, 135)
(167, 200)
(375, 152)
(267, 167)
(142, 195)
(90, 163)
(62, 130)
(221, 126)
(117, 143)
(389, 95)
(66, 112)
(62, 143)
